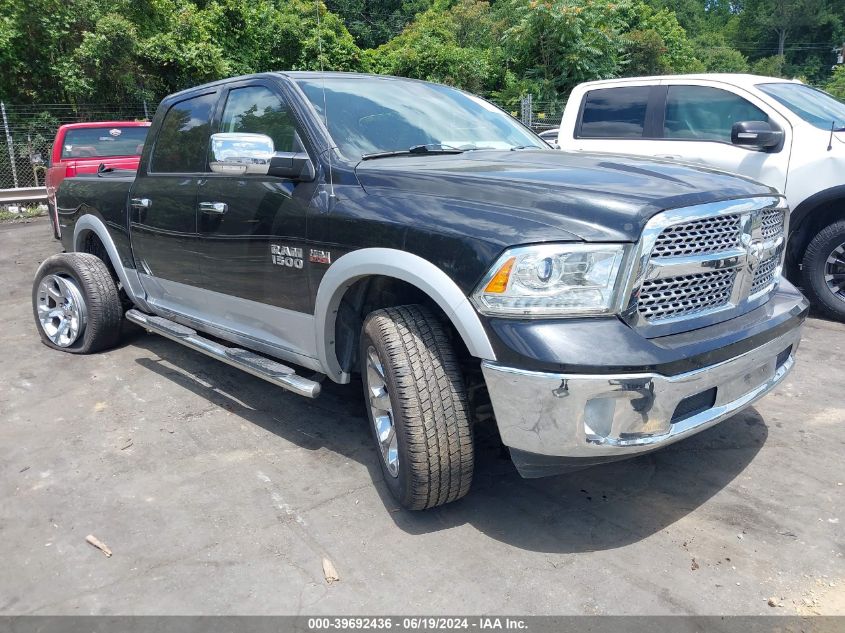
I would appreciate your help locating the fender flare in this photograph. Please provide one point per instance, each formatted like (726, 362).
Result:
(412, 269)
(808, 205)
(128, 277)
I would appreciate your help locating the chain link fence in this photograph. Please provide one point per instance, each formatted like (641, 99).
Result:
(538, 115)
(27, 135)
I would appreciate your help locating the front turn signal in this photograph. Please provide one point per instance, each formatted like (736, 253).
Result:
(499, 283)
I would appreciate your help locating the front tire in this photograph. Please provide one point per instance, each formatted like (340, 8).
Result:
(823, 270)
(76, 304)
(417, 407)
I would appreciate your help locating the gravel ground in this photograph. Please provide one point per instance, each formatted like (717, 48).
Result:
(219, 493)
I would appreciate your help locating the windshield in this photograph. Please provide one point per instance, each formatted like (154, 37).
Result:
(372, 115)
(99, 142)
(814, 106)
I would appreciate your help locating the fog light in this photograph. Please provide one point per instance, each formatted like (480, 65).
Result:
(598, 416)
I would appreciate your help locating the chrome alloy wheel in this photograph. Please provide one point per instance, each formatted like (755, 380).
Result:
(61, 309)
(382, 411)
(834, 272)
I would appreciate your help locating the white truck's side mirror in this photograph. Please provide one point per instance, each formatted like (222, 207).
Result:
(758, 134)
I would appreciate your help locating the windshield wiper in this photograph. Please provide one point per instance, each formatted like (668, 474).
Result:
(428, 148)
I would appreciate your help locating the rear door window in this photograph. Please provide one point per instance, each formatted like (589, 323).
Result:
(706, 114)
(102, 142)
(182, 142)
(615, 112)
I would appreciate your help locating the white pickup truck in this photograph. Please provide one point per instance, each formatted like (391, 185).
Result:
(782, 133)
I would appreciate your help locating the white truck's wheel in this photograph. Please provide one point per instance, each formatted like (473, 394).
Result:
(823, 270)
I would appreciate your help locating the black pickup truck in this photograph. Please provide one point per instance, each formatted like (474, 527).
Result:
(594, 306)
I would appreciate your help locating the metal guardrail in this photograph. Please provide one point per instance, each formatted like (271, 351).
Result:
(23, 194)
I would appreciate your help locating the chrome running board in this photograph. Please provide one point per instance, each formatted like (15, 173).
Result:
(250, 362)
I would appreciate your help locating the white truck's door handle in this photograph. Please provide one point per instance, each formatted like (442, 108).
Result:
(214, 207)
(668, 156)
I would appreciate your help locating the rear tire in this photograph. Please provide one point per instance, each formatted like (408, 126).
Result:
(823, 270)
(76, 304)
(417, 406)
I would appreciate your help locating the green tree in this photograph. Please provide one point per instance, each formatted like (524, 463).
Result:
(455, 46)
(656, 41)
(560, 43)
(106, 62)
(836, 85)
(718, 56)
(374, 22)
(769, 66)
(646, 53)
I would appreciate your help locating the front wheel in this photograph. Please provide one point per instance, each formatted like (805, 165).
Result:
(76, 304)
(417, 406)
(823, 270)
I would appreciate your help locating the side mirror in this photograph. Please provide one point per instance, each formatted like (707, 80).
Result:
(238, 153)
(759, 134)
(292, 165)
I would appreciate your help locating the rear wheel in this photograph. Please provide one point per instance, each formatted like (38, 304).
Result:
(823, 270)
(76, 304)
(417, 406)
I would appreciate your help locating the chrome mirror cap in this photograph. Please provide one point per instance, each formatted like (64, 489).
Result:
(237, 153)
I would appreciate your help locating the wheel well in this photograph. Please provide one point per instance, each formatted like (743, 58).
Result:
(90, 242)
(814, 220)
(372, 293)
(375, 292)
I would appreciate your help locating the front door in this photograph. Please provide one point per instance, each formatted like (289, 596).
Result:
(697, 122)
(163, 202)
(252, 230)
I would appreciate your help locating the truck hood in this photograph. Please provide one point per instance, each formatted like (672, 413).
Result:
(593, 197)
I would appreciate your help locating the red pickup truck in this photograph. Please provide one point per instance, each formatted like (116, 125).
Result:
(80, 148)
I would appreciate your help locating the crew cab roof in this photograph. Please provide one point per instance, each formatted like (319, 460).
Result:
(743, 80)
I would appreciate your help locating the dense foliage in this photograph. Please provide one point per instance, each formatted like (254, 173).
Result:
(81, 51)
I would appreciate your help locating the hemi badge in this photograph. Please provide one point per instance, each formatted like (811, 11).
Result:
(320, 257)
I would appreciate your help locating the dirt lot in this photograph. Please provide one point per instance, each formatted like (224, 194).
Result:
(219, 493)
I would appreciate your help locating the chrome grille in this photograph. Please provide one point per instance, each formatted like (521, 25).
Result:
(714, 258)
(684, 295)
(765, 274)
(772, 223)
(707, 235)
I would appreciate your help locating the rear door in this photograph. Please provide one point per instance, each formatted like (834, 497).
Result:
(696, 128)
(163, 202)
(617, 119)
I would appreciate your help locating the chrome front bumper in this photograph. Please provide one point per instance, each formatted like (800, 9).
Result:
(604, 416)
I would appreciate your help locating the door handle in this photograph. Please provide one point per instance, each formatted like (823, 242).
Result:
(668, 156)
(141, 203)
(218, 208)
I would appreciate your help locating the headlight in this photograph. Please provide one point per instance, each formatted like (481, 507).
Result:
(552, 280)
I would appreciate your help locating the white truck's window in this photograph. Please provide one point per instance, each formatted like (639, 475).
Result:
(814, 106)
(704, 113)
(614, 112)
